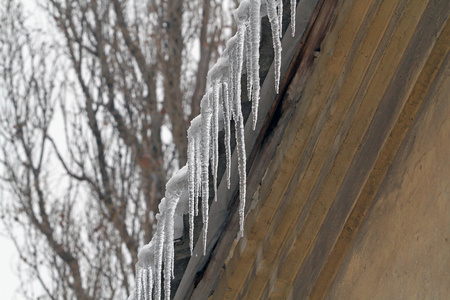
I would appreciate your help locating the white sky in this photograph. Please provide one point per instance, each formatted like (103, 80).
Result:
(9, 259)
(9, 282)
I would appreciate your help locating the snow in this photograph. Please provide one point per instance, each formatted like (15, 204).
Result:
(219, 106)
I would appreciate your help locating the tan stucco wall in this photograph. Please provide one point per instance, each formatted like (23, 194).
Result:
(402, 250)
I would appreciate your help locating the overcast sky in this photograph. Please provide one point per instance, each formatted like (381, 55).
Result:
(9, 259)
(9, 281)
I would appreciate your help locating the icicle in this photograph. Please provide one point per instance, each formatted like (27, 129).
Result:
(215, 135)
(211, 126)
(198, 163)
(191, 188)
(149, 283)
(138, 283)
(169, 247)
(231, 52)
(159, 247)
(206, 113)
(144, 278)
(248, 61)
(174, 189)
(293, 10)
(280, 16)
(227, 118)
(241, 16)
(193, 136)
(255, 24)
(242, 161)
(239, 58)
(275, 25)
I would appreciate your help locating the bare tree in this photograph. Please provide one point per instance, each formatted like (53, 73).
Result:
(93, 120)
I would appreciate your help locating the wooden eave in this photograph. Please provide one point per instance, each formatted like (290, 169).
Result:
(355, 79)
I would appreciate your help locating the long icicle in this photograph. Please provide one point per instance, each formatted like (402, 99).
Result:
(138, 283)
(193, 167)
(192, 185)
(215, 135)
(144, 278)
(159, 246)
(293, 11)
(198, 169)
(280, 17)
(169, 248)
(227, 118)
(242, 166)
(206, 113)
(255, 24)
(275, 26)
(241, 17)
(248, 61)
(149, 283)
(174, 188)
(232, 75)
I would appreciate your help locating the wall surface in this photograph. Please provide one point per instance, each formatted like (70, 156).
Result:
(402, 250)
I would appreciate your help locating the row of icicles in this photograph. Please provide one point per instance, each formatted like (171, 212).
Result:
(220, 105)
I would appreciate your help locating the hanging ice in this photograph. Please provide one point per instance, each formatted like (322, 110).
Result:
(198, 169)
(274, 19)
(241, 16)
(230, 51)
(213, 77)
(159, 246)
(248, 61)
(149, 283)
(206, 113)
(222, 102)
(194, 171)
(227, 118)
(144, 272)
(174, 188)
(192, 185)
(293, 9)
(280, 16)
(255, 23)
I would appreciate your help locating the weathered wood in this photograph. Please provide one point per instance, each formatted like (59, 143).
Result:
(378, 174)
(379, 83)
(358, 79)
(408, 223)
(380, 129)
